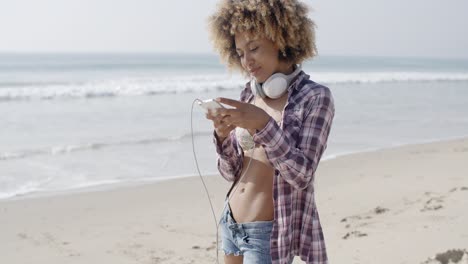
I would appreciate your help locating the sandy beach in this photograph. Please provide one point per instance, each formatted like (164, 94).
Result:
(402, 205)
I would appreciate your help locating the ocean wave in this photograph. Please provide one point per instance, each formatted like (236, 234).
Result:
(117, 87)
(37, 188)
(67, 149)
(28, 187)
(196, 83)
(385, 77)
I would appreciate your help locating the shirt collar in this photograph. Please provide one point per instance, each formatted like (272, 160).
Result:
(297, 80)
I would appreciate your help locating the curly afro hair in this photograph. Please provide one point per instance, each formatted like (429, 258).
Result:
(284, 22)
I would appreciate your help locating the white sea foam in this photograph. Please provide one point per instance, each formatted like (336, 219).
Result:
(381, 77)
(67, 149)
(120, 87)
(198, 83)
(52, 143)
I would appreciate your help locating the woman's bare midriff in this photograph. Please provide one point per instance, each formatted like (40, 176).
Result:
(251, 199)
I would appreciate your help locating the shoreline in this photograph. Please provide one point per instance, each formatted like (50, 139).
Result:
(150, 181)
(368, 204)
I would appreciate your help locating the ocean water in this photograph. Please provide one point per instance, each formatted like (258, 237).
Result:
(77, 121)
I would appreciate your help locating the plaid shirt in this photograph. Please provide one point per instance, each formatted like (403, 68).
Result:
(294, 150)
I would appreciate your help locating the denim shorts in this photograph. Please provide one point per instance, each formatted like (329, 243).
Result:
(251, 239)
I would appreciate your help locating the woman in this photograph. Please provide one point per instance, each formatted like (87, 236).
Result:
(270, 142)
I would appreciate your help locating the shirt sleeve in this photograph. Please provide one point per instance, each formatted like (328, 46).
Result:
(297, 165)
(230, 157)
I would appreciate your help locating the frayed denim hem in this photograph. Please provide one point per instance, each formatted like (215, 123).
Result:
(237, 253)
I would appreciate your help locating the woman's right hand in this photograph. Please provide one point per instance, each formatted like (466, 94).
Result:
(221, 128)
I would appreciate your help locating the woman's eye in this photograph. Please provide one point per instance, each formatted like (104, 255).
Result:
(252, 49)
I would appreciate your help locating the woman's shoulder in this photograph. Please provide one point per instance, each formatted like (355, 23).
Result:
(309, 88)
(312, 94)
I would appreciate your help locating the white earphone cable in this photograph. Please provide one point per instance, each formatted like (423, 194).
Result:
(206, 189)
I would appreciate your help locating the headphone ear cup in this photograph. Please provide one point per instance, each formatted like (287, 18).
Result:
(275, 86)
(253, 87)
(257, 89)
(261, 91)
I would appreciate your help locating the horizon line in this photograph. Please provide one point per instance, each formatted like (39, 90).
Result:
(38, 52)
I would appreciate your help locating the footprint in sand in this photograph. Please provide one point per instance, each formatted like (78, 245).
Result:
(453, 256)
(357, 221)
(29, 238)
(436, 202)
(354, 234)
(47, 239)
(213, 246)
(433, 204)
(61, 246)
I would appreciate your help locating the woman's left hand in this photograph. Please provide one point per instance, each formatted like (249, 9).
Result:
(243, 115)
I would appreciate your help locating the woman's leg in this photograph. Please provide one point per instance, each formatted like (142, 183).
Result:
(255, 242)
(231, 259)
(232, 254)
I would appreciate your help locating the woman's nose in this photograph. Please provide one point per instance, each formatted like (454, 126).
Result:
(248, 58)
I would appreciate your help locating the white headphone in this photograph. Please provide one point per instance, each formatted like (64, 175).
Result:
(275, 86)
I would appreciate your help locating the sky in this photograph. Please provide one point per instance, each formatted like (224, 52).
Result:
(417, 28)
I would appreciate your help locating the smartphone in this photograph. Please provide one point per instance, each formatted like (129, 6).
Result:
(210, 104)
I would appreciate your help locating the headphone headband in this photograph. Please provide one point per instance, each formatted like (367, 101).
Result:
(276, 85)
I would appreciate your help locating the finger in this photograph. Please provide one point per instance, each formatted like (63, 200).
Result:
(230, 102)
(208, 115)
(223, 129)
(226, 128)
(232, 122)
(215, 117)
(220, 119)
(219, 113)
(233, 117)
(213, 112)
(221, 125)
(228, 112)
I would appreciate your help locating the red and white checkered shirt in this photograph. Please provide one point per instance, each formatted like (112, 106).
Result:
(294, 149)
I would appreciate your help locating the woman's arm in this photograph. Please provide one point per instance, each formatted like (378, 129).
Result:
(297, 165)
(230, 157)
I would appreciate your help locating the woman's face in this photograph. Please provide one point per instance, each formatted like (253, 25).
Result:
(259, 57)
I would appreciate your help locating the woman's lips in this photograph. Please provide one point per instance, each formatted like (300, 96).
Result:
(254, 71)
